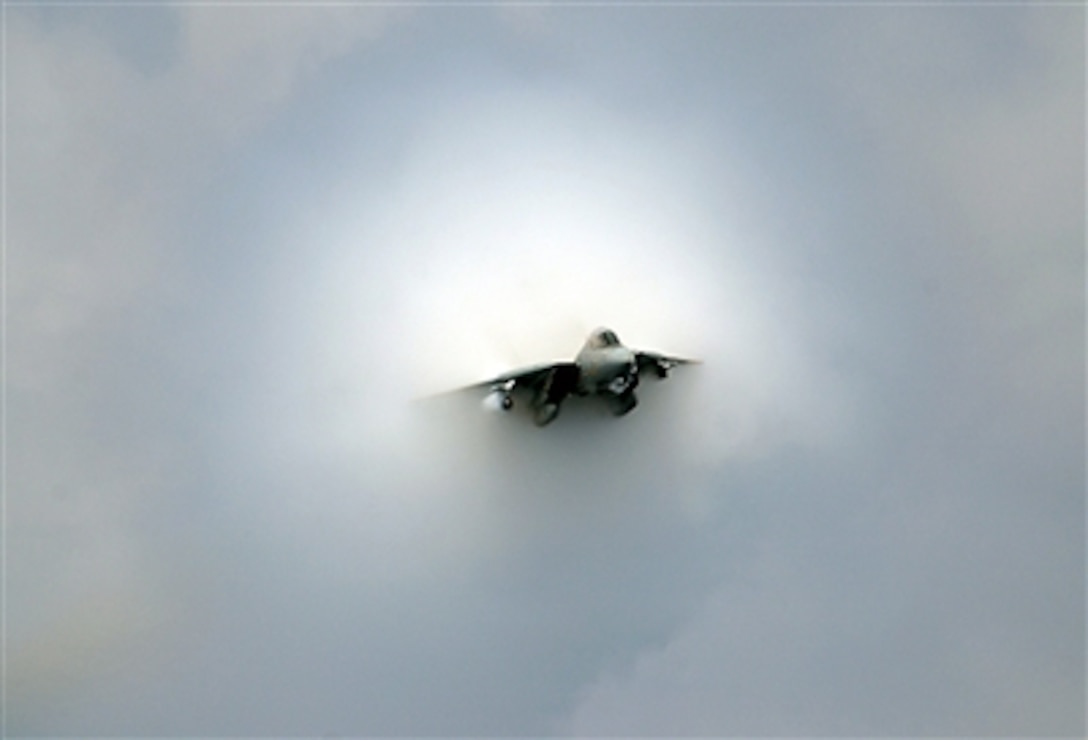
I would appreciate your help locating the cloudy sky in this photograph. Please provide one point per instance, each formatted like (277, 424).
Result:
(244, 245)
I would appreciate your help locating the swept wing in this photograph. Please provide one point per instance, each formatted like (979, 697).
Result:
(658, 363)
(532, 377)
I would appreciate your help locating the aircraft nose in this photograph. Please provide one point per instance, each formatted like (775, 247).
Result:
(626, 379)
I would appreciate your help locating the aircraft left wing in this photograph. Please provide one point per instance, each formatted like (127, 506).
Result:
(660, 364)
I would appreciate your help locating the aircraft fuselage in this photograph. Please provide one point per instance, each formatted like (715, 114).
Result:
(611, 370)
(602, 367)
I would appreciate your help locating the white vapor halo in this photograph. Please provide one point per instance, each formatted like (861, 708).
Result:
(515, 224)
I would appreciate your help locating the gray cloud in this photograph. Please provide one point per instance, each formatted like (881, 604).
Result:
(236, 263)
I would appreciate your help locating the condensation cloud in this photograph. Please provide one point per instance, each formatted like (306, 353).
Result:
(239, 500)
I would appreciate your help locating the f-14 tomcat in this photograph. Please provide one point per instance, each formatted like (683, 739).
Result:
(603, 367)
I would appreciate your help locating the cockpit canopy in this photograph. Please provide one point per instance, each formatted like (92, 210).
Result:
(602, 337)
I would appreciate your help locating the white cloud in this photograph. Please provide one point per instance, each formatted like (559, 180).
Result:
(239, 63)
(966, 506)
(100, 160)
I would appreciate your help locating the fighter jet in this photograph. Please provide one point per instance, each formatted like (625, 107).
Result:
(603, 367)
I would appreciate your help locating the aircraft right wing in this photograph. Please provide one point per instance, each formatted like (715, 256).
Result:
(554, 379)
(531, 377)
(527, 377)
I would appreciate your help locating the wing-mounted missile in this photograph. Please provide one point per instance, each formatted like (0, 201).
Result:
(501, 392)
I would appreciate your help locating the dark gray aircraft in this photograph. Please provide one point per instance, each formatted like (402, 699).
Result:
(603, 367)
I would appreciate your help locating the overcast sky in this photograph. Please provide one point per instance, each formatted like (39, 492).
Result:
(243, 243)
